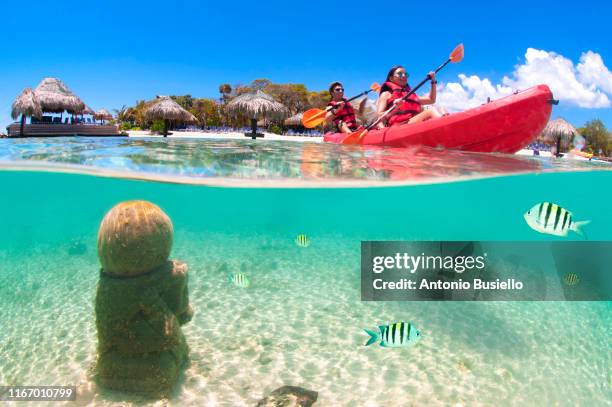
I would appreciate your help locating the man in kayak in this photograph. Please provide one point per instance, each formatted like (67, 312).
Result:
(409, 110)
(342, 113)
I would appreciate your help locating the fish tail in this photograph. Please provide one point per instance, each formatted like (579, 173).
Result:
(230, 278)
(576, 227)
(373, 337)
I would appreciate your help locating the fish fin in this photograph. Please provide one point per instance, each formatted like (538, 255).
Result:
(373, 337)
(576, 227)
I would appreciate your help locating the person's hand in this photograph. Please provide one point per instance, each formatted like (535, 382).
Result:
(432, 76)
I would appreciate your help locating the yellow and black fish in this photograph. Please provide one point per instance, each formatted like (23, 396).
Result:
(239, 280)
(302, 240)
(394, 335)
(550, 218)
(571, 279)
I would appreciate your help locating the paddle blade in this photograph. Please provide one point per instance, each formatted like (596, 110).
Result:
(355, 137)
(375, 87)
(457, 54)
(313, 117)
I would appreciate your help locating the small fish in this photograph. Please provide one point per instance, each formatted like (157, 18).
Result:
(395, 335)
(302, 240)
(552, 219)
(571, 279)
(239, 280)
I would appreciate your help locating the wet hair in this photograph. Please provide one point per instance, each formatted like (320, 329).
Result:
(332, 86)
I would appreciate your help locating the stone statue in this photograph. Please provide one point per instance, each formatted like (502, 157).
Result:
(141, 302)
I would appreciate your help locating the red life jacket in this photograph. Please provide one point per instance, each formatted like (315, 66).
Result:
(344, 114)
(407, 109)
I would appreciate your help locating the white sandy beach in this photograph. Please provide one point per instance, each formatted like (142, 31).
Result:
(217, 135)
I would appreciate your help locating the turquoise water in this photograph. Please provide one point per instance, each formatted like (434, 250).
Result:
(300, 323)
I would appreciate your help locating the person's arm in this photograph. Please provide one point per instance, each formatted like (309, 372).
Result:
(381, 105)
(431, 99)
(329, 116)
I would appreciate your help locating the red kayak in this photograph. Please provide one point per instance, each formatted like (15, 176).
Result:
(505, 125)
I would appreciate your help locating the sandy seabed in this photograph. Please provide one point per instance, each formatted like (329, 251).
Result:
(301, 323)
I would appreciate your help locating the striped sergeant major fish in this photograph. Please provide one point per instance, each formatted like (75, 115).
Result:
(302, 240)
(395, 335)
(550, 218)
(239, 280)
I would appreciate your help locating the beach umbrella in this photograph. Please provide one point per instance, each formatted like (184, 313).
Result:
(168, 110)
(295, 120)
(55, 97)
(255, 105)
(103, 114)
(26, 105)
(559, 133)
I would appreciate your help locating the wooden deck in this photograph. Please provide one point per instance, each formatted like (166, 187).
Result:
(62, 130)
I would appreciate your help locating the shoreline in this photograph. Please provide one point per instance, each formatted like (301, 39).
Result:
(229, 135)
(269, 136)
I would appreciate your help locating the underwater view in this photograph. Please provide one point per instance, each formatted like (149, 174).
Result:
(271, 236)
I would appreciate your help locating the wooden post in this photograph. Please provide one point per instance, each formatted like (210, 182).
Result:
(22, 125)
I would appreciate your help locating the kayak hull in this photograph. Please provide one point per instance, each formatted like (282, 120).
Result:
(505, 125)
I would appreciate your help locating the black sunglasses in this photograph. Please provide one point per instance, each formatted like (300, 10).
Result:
(339, 90)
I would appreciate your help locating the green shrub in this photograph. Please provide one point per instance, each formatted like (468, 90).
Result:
(126, 126)
(157, 125)
(275, 129)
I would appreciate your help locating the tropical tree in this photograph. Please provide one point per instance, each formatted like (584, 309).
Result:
(185, 101)
(294, 96)
(318, 99)
(207, 112)
(225, 90)
(598, 139)
(120, 114)
(260, 84)
(240, 89)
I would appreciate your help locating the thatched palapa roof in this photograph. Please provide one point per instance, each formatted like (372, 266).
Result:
(26, 104)
(103, 114)
(559, 129)
(257, 104)
(167, 109)
(295, 120)
(55, 97)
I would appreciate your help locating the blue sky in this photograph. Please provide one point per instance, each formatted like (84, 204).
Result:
(114, 53)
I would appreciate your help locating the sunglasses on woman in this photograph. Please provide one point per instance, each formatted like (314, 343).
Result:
(401, 74)
(339, 90)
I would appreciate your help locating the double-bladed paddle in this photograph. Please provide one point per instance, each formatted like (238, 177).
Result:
(356, 136)
(314, 117)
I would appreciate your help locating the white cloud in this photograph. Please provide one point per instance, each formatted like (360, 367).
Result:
(585, 85)
(471, 92)
(593, 72)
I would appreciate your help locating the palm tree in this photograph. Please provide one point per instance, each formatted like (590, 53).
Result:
(121, 113)
(225, 90)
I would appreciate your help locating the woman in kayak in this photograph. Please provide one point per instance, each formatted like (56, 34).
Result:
(410, 110)
(342, 113)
